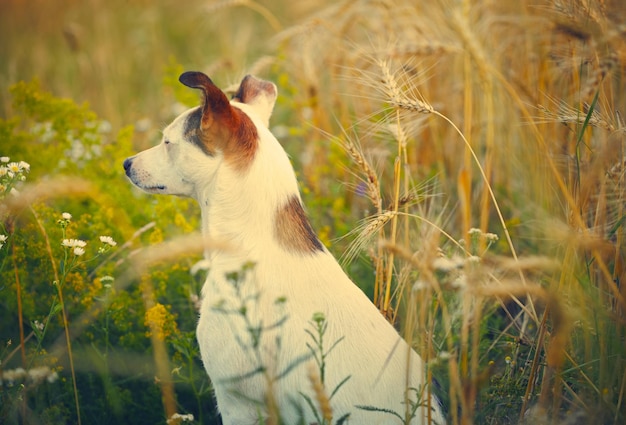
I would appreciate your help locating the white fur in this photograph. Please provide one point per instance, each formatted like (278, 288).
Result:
(239, 207)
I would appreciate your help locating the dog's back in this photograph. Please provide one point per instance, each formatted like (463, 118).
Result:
(280, 324)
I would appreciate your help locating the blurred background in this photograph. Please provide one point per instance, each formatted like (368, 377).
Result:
(464, 159)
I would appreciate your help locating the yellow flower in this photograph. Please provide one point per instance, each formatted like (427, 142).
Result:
(156, 236)
(182, 223)
(160, 322)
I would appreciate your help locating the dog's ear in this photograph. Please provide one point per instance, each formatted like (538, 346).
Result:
(223, 127)
(259, 94)
(216, 104)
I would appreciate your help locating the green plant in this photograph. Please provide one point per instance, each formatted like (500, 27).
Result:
(74, 326)
(323, 411)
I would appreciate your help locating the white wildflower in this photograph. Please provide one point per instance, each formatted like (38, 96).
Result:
(37, 324)
(4, 159)
(491, 237)
(104, 127)
(473, 259)
(474, 231)
(107, 279)
(39, 374)
(24, 166)
(66, 216)
(180, 417)
(14, 167)
(35, 375)
(107, 282)
(444, 355)
(78, 251)
(108, 240)
(445, 264)
(52, 377)
(74, 243)
(12, 375)
(3, 171)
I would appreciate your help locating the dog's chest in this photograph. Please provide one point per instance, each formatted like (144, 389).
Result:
(249, 321)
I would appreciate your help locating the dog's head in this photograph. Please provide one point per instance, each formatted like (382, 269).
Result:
(200, 139)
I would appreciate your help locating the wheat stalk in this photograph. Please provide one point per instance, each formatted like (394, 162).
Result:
(365, 232)
(569, 115)
(371, 179)
(396, 96)
(606, 66)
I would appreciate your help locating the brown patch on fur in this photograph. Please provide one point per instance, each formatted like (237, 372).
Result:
(235, 135)
(293, 230)
(219, 126)
(244, 140)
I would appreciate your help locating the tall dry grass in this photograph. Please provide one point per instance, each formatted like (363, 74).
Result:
(511, 111)
(516, 108)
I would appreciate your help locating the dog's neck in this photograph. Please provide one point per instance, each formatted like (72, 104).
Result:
(257, 210)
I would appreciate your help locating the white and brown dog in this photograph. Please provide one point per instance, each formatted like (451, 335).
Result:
(255, 330)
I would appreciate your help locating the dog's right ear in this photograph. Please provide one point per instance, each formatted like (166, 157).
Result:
(216, 105)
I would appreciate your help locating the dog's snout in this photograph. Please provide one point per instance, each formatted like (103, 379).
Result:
(128, 162)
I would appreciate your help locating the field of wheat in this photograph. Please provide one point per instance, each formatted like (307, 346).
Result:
(464, 159)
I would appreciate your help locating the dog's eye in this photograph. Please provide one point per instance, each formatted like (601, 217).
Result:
(167, 142)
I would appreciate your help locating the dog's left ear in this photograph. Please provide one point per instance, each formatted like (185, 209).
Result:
(259, 94)
(216, 104)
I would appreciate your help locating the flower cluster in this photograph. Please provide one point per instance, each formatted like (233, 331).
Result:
(35, 376)
(11, 173)
(490, 237)
(107, 243)
(160, 322)
(77, 245)
(475, 236)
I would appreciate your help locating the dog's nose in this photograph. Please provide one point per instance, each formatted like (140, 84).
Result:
(127, 164)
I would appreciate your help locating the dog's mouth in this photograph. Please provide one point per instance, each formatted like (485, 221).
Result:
(153, 189)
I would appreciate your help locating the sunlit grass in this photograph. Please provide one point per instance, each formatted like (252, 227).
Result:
(512, 113)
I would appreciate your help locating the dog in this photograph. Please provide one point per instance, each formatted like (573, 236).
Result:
(282, 329)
